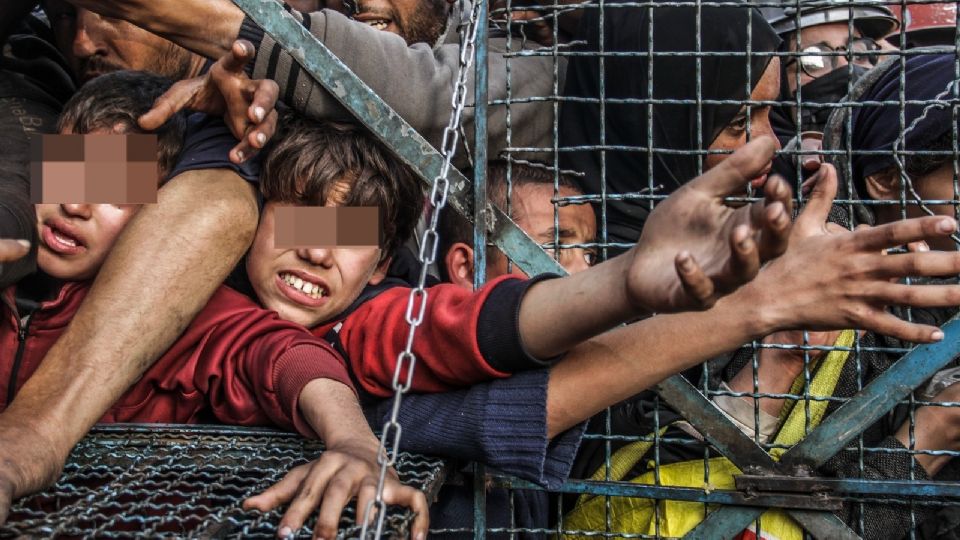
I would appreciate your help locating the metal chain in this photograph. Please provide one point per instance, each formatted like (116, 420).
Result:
(940, 101)
(416, 303)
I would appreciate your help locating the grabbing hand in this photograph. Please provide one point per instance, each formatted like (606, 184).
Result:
(714, 248)
(832, 278)
(12, 250)
(225, 90)
(343, 472)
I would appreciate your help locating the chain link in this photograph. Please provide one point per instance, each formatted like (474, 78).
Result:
(416, 303)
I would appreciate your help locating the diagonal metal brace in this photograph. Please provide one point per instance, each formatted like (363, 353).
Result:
(876, 399)
(317, 60)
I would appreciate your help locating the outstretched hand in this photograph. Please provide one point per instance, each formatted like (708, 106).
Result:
(341, 473)
(714, 248)
(225, 90)
(831, 278)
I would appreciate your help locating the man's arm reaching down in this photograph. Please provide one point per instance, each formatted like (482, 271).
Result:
(163, 269)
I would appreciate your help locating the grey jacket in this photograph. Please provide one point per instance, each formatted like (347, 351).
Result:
(417, 81)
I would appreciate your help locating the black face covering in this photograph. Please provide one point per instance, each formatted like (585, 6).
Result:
(831, 88)
(656, 143)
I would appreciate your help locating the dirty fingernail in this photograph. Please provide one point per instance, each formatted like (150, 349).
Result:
(259, 113)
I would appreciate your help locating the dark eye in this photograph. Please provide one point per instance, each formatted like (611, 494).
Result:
(590, 256)
(738, 124)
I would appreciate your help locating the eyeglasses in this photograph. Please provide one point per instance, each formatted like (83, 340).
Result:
(819, 59)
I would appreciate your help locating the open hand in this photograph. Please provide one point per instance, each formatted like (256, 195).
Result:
(714, 248)
(343, 472)
(831, 278)
(246, 105)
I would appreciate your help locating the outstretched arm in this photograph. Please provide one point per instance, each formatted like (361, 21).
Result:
(852, 277)
(694, 249)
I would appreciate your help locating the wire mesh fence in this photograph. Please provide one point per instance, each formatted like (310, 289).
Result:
(136, 481)
(828, 434)
(646, 96)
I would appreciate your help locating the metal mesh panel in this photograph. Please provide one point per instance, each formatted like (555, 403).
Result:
(127, 481)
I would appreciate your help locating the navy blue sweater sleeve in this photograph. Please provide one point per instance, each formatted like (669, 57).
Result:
(502, 423)
(498, 327)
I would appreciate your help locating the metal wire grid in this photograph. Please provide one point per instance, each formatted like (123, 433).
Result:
(135, 481)
(912, 493)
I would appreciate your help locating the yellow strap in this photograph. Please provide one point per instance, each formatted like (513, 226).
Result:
(824, 382)
(622, 461)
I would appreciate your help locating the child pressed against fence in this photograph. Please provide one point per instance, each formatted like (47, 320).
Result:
(235, 363)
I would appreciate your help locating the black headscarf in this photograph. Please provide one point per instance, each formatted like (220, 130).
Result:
(673, 126)
(876, 127)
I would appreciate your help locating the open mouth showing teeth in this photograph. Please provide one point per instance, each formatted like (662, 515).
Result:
(310, 289)
(379, 24)
(65, 240)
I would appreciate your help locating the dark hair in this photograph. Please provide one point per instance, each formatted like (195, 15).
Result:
(453, 228)
(119, 99)
(308, 160)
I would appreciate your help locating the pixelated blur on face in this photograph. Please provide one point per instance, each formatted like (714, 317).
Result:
(75, 239)
(308, 286)
(416, 21)
(533, 211)
(94, 45)
(734, 135)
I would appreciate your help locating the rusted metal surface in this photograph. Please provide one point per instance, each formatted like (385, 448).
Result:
(127, 481)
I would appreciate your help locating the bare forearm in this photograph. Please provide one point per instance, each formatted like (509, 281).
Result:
(614, 366)
(206, 27)
(558, 314)
(164, 267)
(332, 410)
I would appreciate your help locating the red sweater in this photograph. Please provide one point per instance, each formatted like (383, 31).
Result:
(236, 363)
(466, 337)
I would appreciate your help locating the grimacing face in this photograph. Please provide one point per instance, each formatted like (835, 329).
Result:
(416, 21)
(309, 286)
(94, 45)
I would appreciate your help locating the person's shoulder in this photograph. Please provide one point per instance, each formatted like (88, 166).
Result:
(207, 144)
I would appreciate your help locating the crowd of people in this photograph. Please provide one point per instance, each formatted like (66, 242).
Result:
(681, 163)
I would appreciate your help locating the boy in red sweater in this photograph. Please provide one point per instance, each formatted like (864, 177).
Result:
(511, 324)
(235, 363)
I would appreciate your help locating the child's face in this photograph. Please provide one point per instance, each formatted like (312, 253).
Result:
(308, 286)
(76, 238)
